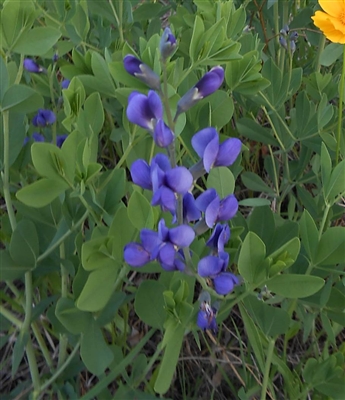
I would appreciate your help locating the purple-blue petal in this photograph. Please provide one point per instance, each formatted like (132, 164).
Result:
(228, 208)
(179, 179)
(149, 239)
(181, 236)
(205, 199)
(65, 83)
(140, 172)
(132, 64)
(219, 237)
(228, 152)
(210, 154)
(155, 104)
(139, 111)
(162, 134)
(37, 137)
(190, 210)
(211, 81)
(31, 66)
(209, 266)
(202, 138)
(163, 231)
(135, 255)
(212, 211)
(167, 199)
(162, 161)
(166, 255)
(224, 283)
(60, 140)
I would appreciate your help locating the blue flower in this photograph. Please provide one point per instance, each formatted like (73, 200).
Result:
(207, 85)
(137, 68)
(164, 181)
(219, 237)
(214, 267)
(37, 137)
(216, 209)
(162, 246)
(60, 140)
(206, 318)
(44, 118)
(31, 66)
(206, 144)
(167, 44)
(65, 83)
(147, 112)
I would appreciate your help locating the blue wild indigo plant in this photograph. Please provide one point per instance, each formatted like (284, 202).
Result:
(174, 187)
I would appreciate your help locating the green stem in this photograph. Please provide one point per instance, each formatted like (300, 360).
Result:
(340, 111)
(8, 315)
(52, 99)
(270, 349)
(118, 21)
(320, 48)
(57, 373)
(42, 344)
(6, 173)
(63, 342)
(20, 69)
(324, 219)
(35, 377)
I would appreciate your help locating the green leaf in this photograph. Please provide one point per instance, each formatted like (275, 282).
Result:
(94, 352)
(122, 231)
(252, 130)
(102, 75)
(41, 193)
(293, 286)
(261, 222)
(326, 167)
(24, 246)
(74, 320)
(18, 352)
(198, 31)
(222, 108)
(37, 41)
(149, 303)
(331, 53)
(336, 186)
(272, 321)
(330, 250)
(309, 234)
(94, 112)
(21, 99)
(251, 258)
(49, 161)
(284, 256)
(254, 182)
(98, 288)
(140, 211)
(221, 179)
(170, 358)
(4, 78)
(254, 339)
(256, 202)
(9, 270)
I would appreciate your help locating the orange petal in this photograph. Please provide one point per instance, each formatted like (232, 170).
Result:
(335, 8)
(325, 23)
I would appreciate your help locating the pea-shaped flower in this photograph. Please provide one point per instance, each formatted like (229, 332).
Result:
(147, 112)
(206, 144)
(44, 118)
(31, 66)
(216, 209)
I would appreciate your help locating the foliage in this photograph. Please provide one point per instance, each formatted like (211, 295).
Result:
(72, 307)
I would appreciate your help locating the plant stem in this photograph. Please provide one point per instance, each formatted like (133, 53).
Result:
(324, 219)
(340, 108)
(6, 173)
(63, 342)
(117, 19)
(270, 349)
(322, 42)
(8, 315)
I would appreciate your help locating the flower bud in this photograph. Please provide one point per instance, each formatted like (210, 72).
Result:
(167, 45)
(31, 66)
(137, 68)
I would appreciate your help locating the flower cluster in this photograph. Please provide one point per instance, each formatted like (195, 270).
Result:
(172, 186)
(286, 40)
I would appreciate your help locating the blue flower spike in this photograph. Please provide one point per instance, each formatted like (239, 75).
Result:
(207, 85)
(143, 72)
(167, 45)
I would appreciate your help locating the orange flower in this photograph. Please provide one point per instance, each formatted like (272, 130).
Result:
(332, 20)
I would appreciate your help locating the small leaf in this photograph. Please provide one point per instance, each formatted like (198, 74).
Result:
(37, 41)
(222, 180)
(24, 245)
(140, 211)
(293, 286)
